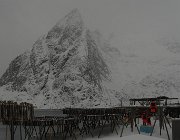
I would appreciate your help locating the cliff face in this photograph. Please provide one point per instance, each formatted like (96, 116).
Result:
(15, 75)
(65, 65)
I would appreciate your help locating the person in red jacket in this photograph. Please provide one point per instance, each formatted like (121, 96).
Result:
(144, 118)
(153, 107)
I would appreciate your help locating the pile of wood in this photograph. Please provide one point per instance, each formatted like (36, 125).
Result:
(12, 111)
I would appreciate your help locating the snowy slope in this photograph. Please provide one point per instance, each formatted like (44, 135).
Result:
(150, 74)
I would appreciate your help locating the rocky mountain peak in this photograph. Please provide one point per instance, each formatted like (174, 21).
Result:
(65, 65)
(69, 27)
(74, 18)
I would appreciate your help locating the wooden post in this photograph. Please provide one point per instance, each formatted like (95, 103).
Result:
(160, 118)
(132, 118)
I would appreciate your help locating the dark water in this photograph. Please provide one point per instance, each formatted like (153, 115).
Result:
(48, 112)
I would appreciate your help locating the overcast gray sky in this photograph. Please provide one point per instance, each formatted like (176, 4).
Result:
(22, 22)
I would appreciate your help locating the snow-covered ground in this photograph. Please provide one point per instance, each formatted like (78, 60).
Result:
(135, 137)
(107, 135)
(128, 135)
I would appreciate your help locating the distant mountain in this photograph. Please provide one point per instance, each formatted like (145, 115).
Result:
(65, 67)
(172, 46)
(154, 85)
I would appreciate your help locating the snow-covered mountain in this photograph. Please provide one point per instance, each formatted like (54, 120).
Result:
(71, 66)
(151, 70)
(65, 67)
